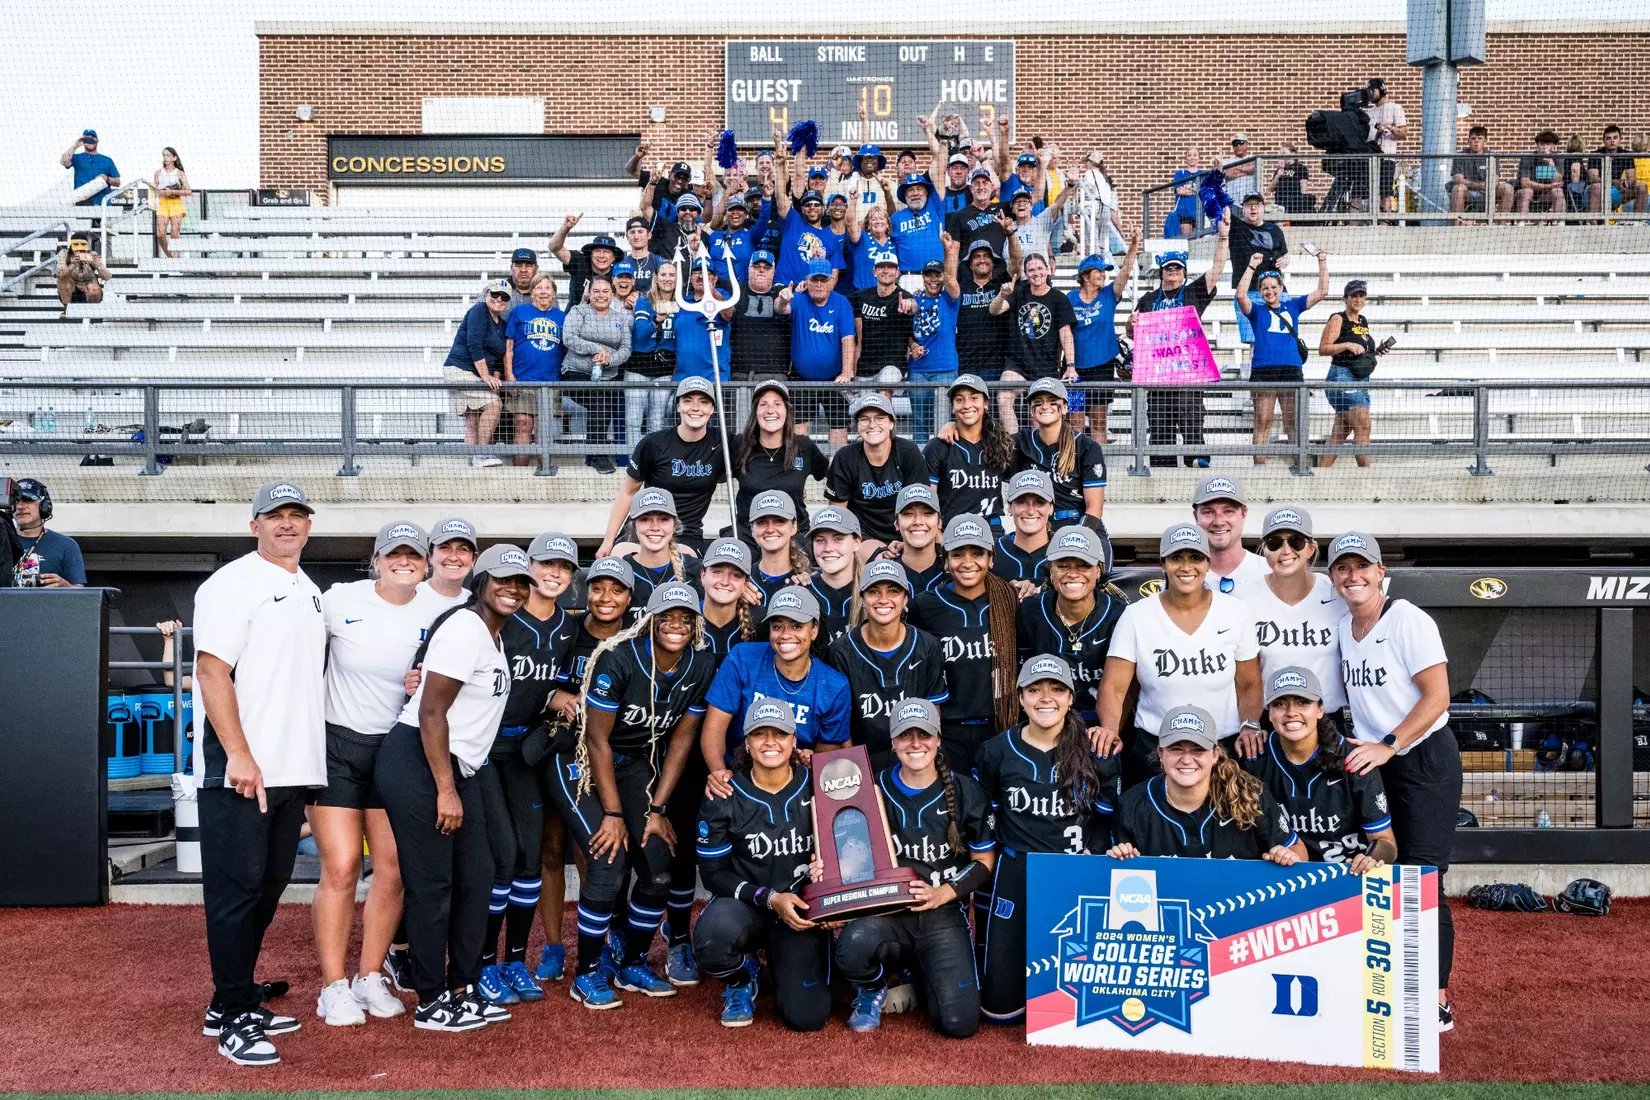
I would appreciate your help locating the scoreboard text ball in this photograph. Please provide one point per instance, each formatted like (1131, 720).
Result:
(780, 82)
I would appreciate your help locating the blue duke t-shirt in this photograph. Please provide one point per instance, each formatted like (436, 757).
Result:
(800, 243)
(935, 328)
(1094, 336)
(1274, 343)
(538, 351)
(817, 333)
(822, 700)
(917, 237)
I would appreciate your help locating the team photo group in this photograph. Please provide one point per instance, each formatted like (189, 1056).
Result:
(479, 718)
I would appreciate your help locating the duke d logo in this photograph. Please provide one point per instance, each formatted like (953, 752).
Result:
(1133, 959)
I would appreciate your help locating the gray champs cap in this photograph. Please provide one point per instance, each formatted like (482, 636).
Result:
(1293, 680)
(1030, 481)
(1183, 536)
(884, 571)
(502, 561)
(653, 499)
(553, 546)
(966, 530)
(1192, 724)
(794, 603)
(1047, 385)
(914, 714)
(873, 401)
(277, 494)
(1288, 518)
(967, 382)
(1219, 487)
(616, 569)
(916, 494)
(675, 596)
(772, 503)
(1076, 542)
(1045, 667)
(834, 519)
(401, 533)
(728, 552)
(695, 384)
(770, 714)
(1355, 543)
(449, 529)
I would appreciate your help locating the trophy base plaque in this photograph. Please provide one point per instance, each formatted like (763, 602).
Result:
(887, 893)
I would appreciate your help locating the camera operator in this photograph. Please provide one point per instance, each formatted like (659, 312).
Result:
(1386, 126)
(56, 557)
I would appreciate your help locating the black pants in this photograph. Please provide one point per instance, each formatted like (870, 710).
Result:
(1003, 941)
(514, 794)
(944, 950)
(685, 803)
(601, 405)
(246, 862)
(799, 962)
(604, 881)
(446, 876)
(1169, 413)
(961, 741)
(1423, 787)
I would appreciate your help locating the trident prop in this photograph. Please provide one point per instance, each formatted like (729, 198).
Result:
(710, 306)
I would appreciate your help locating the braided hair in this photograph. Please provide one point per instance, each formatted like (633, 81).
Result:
(1234, 793)
(1331, 747)
(943, 767)
(1003, 628)
(678, 570)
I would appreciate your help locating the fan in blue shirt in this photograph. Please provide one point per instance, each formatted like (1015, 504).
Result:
(1276, 320)
(917, 228)
(934, 332)
(534, 351)
(695, 332)
(821, 319)
(88, 165)
(738, 231)
(807, 237)
(867, 244)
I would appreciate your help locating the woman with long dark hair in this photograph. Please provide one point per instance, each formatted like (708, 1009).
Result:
(969, 457)
(171, 188)
(772, 455)
(1074, 462)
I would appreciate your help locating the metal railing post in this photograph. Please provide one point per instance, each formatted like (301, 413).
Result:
(346, 416)
(151, 432)
(547, 464)
(1137, 430)
(1480, 433)
(177, 698)
(1303, 432)
(1377, 193)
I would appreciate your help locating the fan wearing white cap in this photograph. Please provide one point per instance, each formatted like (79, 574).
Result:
(835, 539)
(884, 659)
(783, 667)
(644, 694)
(968, 469)
(867, 474)
(685, 460)
(1051, 793)
(1397, 689)
(917, 520)
(1219, 508)
(1341, 816)
(1074, 617)
(942, 829)
(260, 642)
(1074, 462)
(1297, 614)
(454, 545)
(1202, 804)
(427, 775)
(1186, 645)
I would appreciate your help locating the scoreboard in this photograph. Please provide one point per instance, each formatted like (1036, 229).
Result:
(780, 82)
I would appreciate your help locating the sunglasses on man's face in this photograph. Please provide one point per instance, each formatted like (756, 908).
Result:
(1275, 542)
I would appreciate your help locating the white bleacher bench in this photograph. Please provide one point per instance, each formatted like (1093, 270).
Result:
(1632, 260)
(50, 337)
(98, 371)
(238, 313)
(490, 245)
(474, 267)
(347, 286)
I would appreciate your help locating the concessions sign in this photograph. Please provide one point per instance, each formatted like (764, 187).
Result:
(477, 158)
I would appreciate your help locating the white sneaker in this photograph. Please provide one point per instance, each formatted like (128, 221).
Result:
(489, 460)
(901, 998)
(337, 1006)
(372, 992)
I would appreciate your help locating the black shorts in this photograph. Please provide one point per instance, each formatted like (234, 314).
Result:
(1088, 376)
(1276, 374)
(828, 402)
(351, 760)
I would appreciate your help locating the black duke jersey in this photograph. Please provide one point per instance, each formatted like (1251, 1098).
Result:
(644, 708)
(1334, 814)
(540, 651)
(1083, 645)
(918, 823)
(880, 680)
(1146, 820)
(756, 840)
(1034, 811)
(964, 634)
(834, 604)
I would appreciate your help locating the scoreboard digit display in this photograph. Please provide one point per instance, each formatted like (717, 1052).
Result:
(780, 82)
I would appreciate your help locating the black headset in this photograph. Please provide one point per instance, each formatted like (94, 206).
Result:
(30, 489)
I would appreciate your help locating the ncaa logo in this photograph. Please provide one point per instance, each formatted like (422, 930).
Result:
(1134, 894)
(1488, 588)
(604, 682)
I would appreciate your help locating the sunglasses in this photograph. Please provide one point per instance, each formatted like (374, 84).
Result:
(499, 295)
(1275, 542)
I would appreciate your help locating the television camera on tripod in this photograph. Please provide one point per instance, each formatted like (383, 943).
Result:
(1343, 135)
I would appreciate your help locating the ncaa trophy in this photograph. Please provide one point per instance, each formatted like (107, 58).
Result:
(861, 875)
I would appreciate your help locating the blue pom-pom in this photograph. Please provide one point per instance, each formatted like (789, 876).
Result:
(804, 137)
(727, 150)
(1212, 193)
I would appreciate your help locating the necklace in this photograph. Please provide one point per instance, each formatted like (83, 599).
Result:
(1075, 631)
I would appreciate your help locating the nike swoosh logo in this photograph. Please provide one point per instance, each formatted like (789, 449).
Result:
(278, 599)
(1329, 600)
(913, 664)
(809, 985)
(1222, 631)
(349, 622)
(1378, 641)
(1332, 783)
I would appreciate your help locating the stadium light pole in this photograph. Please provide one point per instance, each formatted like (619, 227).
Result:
(1442, 36)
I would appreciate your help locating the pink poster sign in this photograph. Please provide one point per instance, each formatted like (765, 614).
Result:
(1170, 348)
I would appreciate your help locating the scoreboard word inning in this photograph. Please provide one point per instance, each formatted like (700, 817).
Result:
(780, 82)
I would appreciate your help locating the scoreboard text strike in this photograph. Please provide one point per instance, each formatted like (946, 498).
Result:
(781, 82)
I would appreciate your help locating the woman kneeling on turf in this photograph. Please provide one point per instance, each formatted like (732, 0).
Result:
(941, 827)
(754, 850)
(1203, 804)
(645, 685)
(1341, 816)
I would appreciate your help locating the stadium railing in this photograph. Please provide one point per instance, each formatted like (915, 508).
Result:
(178, 667)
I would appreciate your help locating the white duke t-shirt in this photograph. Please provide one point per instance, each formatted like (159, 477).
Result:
(370, 647)
(464, 650)
(1306, 634)
(267, 625)
(1379, 671)
(1177, 669)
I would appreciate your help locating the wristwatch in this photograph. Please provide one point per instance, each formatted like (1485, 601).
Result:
(660, 810)
(1390, 740)
(1249, 724)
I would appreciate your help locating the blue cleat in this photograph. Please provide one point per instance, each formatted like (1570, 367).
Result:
(552, 963)
(639, 977)
(867, 1011)
(495, 988)
(739, 1005)
(592, 991)
(682, 969)
(521, 980)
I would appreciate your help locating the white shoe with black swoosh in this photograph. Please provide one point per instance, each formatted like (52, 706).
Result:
(271, 1023)
(243, 1041)
(448, 1012)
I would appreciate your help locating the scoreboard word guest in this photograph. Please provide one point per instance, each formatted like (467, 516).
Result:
(1236, 958)
(781, 82)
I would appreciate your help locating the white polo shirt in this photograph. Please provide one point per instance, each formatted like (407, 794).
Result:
(442, 603)
(370, 647)
(1379, 672)
(465, 651)
(1306, 634)
(1249, 575)
(1177, 669)
(267, 625)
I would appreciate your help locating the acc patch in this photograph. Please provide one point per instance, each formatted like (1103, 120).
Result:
(704, 829)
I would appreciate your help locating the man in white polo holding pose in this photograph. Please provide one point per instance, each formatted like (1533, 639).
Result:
(260, 642)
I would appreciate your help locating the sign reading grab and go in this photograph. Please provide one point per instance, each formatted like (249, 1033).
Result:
(780, 82)
(1235, 958)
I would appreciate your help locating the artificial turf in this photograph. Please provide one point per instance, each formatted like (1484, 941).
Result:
(1450, 1090)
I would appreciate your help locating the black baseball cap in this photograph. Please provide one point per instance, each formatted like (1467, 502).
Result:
(524, 256)
(638, 222)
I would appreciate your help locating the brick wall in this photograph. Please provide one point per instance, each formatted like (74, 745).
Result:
(1144, 100)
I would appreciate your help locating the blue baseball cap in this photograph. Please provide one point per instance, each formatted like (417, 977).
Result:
(812, 195)
(1093, 263)
(624, 267)
(1164, 259)
(836, 196)
(1020, 192)
(524, 256)
(84, 134)
(867, 151)
(1027, 158)
(915, 179)
(979, 174)
(818, 170)
(761, 256)
(820, 268)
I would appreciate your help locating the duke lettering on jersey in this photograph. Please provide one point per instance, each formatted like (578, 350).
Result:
(956, 649)
(1304, 636)
(681, 468)
(761, 846)
(816, 325)
(523, 667)
(1361, 675)
(1203, 663)
(872, 705)
(870, 490)
(924, 850)
(1051, 805)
